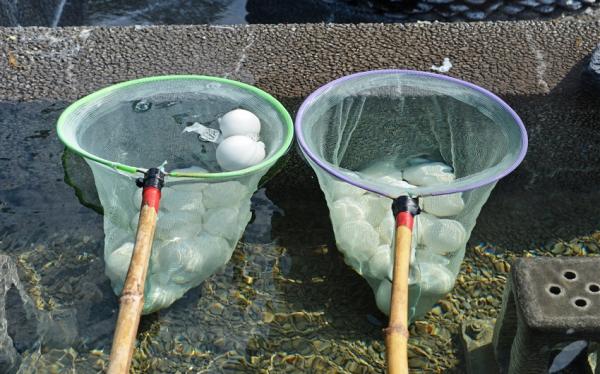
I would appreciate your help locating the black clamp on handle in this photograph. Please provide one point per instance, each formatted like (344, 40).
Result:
(154, 177)
(406, 204)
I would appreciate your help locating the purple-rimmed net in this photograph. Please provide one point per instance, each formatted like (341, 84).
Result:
(383, 132)
(471, 183)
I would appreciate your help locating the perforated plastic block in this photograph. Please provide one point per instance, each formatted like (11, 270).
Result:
(547, 302)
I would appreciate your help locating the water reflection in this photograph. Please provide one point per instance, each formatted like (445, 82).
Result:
(153, 12)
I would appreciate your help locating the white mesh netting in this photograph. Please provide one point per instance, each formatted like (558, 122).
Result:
(198, 227)
(398, 133)
(200, 219)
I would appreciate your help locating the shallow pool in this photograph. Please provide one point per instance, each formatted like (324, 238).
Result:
(286, 302)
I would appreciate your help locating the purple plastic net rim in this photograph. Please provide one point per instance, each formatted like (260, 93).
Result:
(471, 186)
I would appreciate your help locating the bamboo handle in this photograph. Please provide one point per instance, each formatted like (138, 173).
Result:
(132, 297)
(397, 332)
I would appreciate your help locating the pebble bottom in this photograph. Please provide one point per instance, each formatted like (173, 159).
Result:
(272, 309)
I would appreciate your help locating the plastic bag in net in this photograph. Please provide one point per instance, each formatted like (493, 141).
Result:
(204, 208)
(382, 134)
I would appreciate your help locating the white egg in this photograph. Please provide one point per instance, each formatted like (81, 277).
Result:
(212, 253)
(117, 264)
(422, 223)
(175, 198)
(357, 239)
(239, 122)
(159, 297)
(435, 278)
(386, 229)
(239, 152)
(429, 174)
(222, 222)
(354, 264)
(225, 194)
(172, 255)
(346, 209)
(443, 205)
(380, 264)
(385, 172)
(337, 190)
(383, 296)
(137, 198)
(442, 236)
(377, 208)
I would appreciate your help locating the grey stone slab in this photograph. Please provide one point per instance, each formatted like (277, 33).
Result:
(519, 58)
(559, 294)
(476, 338)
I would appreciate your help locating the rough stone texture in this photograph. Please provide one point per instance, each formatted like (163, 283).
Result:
(476, 338)
(290, 61)
(535, 66)
(536, 317)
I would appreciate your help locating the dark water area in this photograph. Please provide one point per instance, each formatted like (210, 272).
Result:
(225, 12)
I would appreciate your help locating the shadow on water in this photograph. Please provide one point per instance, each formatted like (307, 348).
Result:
(554, 193)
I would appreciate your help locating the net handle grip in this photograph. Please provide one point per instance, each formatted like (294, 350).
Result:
(405, 209)
(131, 301)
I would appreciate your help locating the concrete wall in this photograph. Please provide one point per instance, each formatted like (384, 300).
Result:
(535, 66)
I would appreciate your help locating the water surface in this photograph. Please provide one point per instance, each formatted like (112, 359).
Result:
(286, 302)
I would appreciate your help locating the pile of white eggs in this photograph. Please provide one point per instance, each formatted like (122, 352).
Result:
(198, 223)
(240, 147)
(198, 227)
(364, 227)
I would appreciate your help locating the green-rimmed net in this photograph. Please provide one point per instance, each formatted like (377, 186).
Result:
(127, 128)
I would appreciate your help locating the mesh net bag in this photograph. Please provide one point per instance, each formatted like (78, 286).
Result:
(123, 130)
(374, 136)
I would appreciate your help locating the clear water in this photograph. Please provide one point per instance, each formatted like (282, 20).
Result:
(158, 125)
(286, 302)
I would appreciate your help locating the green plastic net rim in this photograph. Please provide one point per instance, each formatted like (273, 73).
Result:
(63, 123)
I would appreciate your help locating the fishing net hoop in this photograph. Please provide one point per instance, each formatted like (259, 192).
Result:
(202, 215)
(66, 133)
(465, 184)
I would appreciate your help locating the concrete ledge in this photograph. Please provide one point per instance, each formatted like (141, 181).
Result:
(535, 66)
(509, 58)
